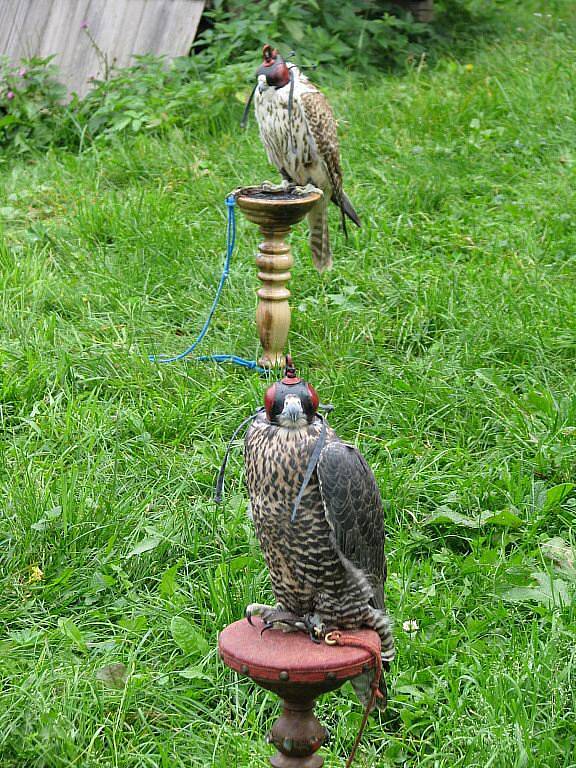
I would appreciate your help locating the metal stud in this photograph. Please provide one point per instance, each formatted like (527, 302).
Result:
(284, 675)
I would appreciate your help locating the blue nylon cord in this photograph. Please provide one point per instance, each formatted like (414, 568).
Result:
(250, 364)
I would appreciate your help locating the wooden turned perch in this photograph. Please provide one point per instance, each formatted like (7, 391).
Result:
(275, 209)
(298, 671)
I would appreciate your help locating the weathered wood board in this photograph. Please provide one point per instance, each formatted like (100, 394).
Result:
(120, 28)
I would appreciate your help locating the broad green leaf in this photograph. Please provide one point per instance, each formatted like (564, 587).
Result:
(194, 673)
(25, 636)
(446, 515)
(557, 494)
(410, 690)
(101, 582)
(549, 592)
(541, 402)
(136, 624)
(120, 123)
(113, 675)
(146, 545)
(295, 29)
(167, 586)
(70, 630)
(505, 518)
(234, 566)
(523, 594)
(187, 637)
(7, 120)
(488, 376)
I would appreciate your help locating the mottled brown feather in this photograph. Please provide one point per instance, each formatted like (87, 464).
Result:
(322, 126)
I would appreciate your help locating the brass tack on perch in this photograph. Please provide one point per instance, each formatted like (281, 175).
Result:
(275, 208)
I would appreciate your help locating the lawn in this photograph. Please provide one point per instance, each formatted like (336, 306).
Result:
(445, 337)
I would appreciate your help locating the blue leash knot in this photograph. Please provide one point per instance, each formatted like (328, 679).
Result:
(230, 243)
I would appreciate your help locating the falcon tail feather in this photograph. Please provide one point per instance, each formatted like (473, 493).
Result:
(348, 210)
(363, 690)
(320, 237)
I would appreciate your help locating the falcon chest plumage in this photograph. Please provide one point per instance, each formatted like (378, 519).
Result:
(307, 571)
(289, 144)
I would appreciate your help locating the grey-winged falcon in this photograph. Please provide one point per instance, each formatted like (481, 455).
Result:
(319, 519)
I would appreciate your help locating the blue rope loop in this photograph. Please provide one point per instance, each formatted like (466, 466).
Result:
(230, 243)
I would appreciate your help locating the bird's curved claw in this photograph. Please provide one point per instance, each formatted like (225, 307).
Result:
(315, 627)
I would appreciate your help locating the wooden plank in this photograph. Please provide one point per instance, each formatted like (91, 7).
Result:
(151, 27)
(15, 44)
(76, 58)
(65, 35)
(183, 20)
(8, 13)
(126, 44)
(120, 28)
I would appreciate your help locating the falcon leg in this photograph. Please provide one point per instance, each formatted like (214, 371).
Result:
(276, 617)
(380, 622)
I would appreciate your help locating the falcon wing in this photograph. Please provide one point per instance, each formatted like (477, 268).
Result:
(322, 126)
(353, 509)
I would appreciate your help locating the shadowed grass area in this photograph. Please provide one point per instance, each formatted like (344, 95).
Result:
(446, 338)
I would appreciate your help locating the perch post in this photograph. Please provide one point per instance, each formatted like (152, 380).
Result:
(275, 209)
(298, 671)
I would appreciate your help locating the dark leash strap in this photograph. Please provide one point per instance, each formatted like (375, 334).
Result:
(312, 464)
(290, 109)
(246, 113)
(220, 481)
(314, 458)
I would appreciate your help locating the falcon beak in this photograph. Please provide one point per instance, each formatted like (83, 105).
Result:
(262, 83)
(293, 412)
(292, 415)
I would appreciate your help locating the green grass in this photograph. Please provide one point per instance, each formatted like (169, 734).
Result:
(446, 338)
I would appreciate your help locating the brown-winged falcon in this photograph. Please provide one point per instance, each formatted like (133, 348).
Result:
(298, 130)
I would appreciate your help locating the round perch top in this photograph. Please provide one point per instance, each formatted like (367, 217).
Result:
(276, 655)
(276, 204)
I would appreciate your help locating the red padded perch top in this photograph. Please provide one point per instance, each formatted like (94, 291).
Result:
(277, 655)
